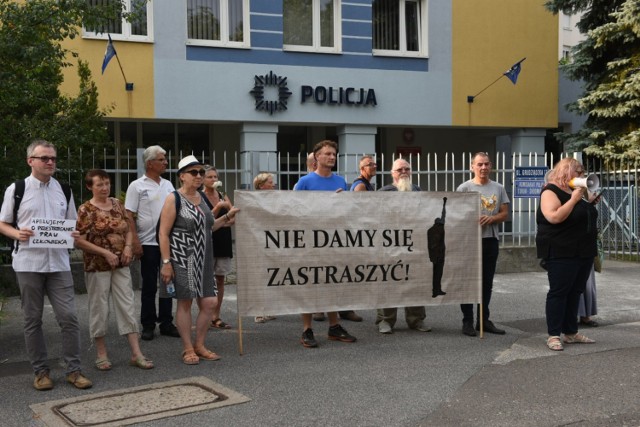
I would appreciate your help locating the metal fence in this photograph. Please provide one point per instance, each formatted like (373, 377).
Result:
(618, 219)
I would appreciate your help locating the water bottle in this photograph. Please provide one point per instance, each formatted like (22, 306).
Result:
(171, 290)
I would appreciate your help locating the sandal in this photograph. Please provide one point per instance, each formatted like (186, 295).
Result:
(142, 363)
(218, 323)
(189, 357)
(206, 354)
(259, 319)
(554, 343)
(103, 364)
(577, 338)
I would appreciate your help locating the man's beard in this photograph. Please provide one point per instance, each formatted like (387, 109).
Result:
(404, 184)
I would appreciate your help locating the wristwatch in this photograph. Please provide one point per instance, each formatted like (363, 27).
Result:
(166, 261)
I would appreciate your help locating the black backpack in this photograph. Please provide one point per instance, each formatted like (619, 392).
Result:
(176, 196)
(18, 194)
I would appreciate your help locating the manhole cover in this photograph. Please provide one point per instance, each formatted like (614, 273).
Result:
(137, 404)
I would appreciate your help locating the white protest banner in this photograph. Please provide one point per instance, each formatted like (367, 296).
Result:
(52, 233)
(312, 251)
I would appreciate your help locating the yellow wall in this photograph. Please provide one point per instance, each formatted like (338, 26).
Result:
(489, 36)
(137, 63)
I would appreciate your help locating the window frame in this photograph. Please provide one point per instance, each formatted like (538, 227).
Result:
(224, 28)
(126, 35)
(423, 40)
(316, 35)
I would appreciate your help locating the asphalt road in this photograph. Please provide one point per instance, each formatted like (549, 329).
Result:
(409, 378)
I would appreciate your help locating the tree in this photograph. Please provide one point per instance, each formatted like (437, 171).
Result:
(607, 62)
(32, 57)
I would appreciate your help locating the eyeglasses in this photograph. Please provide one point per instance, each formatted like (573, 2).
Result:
(45, 159)
(370, 165)
(580, 171)
(161, 160)
(196, 172)
(402, 170)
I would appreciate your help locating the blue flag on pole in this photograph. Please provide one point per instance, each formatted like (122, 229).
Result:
(513, 72)
(108, 54)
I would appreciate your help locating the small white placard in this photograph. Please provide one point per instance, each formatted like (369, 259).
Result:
(52, 233)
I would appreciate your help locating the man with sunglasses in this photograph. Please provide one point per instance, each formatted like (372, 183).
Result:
(44, 271)
(145, 198)
(494, 210)
(368, 169)
(386, 317)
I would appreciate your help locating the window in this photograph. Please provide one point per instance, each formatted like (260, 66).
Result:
(218, 23)
(135, 27)
(312, 25)
(400, 27)
(566, 22)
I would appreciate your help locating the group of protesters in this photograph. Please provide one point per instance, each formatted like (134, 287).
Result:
(175, 252)
(183, 241)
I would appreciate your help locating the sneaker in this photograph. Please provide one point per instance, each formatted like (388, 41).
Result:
(78, 380)
(350, 315)
(338, 333)
(491, 328)
(42, 381)
(420, 326)
(467, 328)
(384, 327)
(169, 330)
(307, 339)
(147, 334)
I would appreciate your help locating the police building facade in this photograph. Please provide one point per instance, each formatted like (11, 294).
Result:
(377, 76)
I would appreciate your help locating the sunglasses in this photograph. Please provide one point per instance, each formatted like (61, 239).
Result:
(45, 159)
(196, 172)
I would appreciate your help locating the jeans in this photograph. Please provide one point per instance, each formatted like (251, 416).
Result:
(490, 250)
(567, 280)
(150, 267)
(58, 287)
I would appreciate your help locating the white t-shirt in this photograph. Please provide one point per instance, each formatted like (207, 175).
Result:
(146, 198)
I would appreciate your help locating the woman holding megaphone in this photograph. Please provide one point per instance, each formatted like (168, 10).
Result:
(566, 242)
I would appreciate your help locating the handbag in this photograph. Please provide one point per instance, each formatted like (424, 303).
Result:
(599, 258)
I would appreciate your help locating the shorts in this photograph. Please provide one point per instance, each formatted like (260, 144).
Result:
(222, 266)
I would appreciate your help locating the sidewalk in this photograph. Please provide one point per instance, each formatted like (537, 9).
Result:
(442, 378)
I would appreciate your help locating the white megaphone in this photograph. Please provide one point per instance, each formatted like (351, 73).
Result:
(591, 183)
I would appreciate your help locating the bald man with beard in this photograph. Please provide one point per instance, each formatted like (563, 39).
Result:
(386, 317)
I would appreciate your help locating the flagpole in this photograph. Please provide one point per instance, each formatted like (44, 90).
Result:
(110, 53)
(128, 86)
(471, 98)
